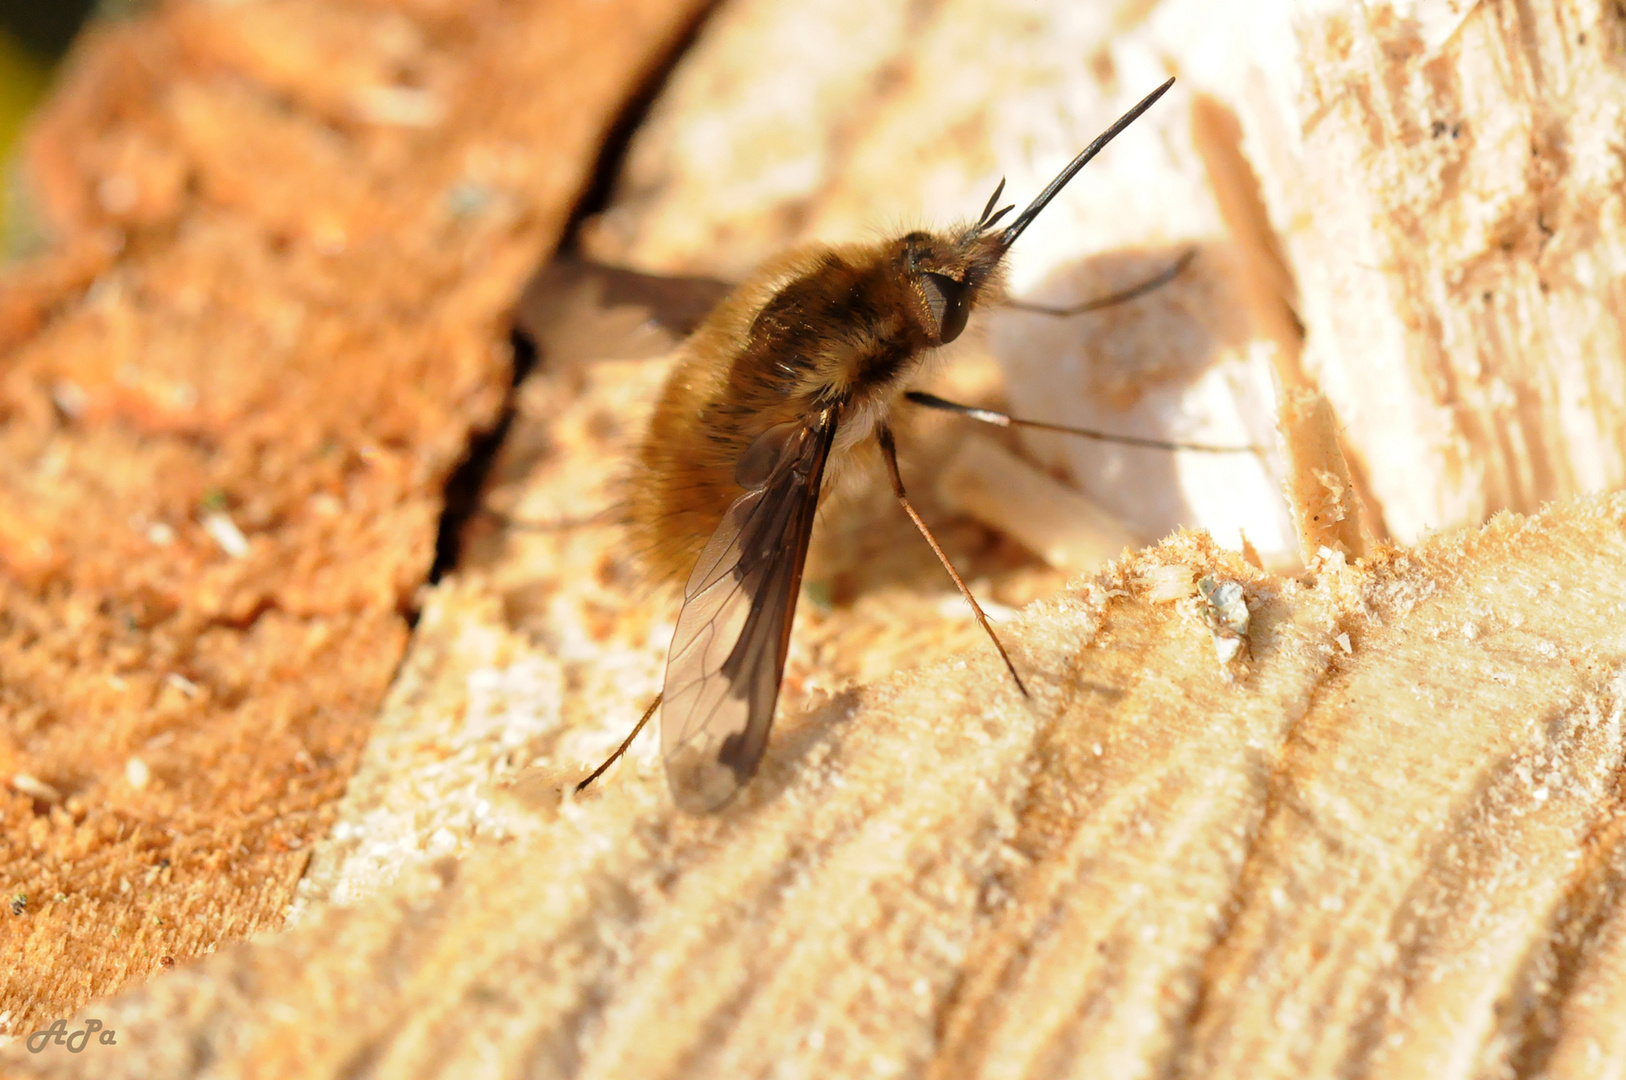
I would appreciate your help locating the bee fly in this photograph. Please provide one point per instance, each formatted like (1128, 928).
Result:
(800, 362)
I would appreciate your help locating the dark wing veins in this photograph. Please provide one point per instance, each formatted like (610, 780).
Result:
(728, 652)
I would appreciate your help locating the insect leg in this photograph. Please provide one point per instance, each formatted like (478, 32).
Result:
(1157, 281)
(889, 451)
(622, 749)
(999, 419)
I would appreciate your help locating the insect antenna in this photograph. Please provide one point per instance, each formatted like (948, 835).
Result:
(889, 452)
(989, 217)
(1122, 296)
(1025, 218)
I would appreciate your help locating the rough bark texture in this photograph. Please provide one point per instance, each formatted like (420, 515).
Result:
(1383, 839)
(302, 226)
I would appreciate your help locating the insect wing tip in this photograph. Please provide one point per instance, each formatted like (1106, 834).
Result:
(700, 783)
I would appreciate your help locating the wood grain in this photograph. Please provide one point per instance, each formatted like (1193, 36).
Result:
(1387, 843)
(1385, 840)
(1454, 224)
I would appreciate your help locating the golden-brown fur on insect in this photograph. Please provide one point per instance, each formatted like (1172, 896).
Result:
(819, 327)
(799, 365)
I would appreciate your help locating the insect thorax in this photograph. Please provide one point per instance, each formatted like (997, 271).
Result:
(849, 328)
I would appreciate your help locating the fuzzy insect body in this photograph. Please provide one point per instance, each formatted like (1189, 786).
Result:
(797, 365)
(819, 331)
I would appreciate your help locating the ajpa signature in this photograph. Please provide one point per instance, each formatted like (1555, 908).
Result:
(75, 1041)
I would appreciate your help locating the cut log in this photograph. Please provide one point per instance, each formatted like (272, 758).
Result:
(1383, 841)
(1363, 822)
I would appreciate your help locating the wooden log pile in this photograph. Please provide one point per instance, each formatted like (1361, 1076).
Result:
(1370, 827)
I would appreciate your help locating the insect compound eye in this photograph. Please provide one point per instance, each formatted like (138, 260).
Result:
(946, 299)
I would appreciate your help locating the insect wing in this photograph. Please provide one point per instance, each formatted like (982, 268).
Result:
(728, 652)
